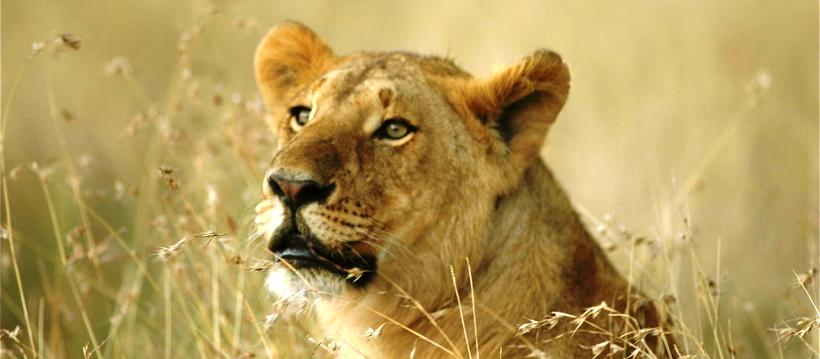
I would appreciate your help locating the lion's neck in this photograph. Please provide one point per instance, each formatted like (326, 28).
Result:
(526, 249)
(531, 215)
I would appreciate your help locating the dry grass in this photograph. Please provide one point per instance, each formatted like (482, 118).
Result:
(133, 145)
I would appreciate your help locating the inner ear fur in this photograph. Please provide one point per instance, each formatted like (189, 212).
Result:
(522, 102)
(289, 57)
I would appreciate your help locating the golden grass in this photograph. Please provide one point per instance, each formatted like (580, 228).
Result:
(134, 143)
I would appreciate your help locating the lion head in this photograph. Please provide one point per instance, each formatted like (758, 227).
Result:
(390, 162)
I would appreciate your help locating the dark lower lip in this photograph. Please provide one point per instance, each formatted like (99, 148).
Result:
(302, 252)
(301, 258)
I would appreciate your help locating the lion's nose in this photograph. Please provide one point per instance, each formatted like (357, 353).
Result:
(298, 192)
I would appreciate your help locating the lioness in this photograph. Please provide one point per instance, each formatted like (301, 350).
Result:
(410, 199)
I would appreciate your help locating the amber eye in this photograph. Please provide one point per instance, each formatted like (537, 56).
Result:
(300, 115)
(394, 129)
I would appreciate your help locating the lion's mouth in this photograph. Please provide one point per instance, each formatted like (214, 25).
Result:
(305, 252)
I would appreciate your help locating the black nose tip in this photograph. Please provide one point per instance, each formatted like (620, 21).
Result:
(300, 192)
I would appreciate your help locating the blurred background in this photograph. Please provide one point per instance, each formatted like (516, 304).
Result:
(134, 143)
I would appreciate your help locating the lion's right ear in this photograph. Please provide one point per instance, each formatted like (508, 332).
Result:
(521, 102)
(289, 57)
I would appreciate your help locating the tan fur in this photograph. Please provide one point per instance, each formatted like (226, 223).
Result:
(468, 185)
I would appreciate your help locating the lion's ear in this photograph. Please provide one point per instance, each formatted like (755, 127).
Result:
(522, 101)
(289, 57)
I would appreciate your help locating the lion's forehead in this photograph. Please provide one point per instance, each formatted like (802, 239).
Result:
(369, 76)
(364, 91)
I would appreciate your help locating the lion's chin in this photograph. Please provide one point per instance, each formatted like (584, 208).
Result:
(283, 283)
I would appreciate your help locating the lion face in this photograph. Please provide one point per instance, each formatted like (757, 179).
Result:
(376, 150)
(344, 183)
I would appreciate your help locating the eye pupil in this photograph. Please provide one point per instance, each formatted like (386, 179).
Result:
(303, 116)
(395, 129)
(300, 114)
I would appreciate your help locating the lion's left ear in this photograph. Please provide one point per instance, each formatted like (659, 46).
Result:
(522, 102)
(289, 57)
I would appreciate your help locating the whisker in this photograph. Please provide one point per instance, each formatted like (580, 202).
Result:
(355, 252)
(373, 239)
(389, 238)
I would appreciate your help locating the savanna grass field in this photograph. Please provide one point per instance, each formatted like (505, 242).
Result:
(134, 143)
